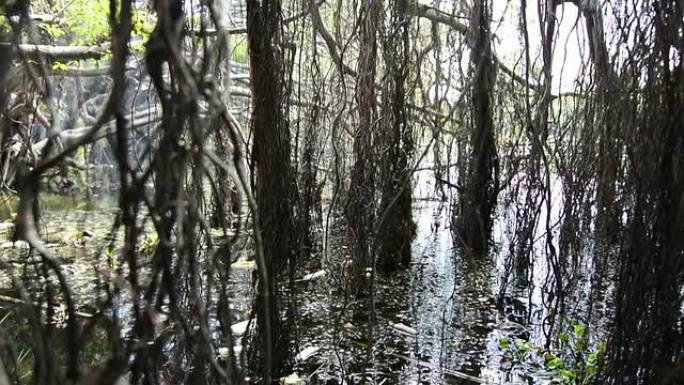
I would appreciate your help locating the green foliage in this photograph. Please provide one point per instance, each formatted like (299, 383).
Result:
(573, 362)
(504, 343)
(5, 26)
(58, 65)
(25, 363)
(239, 53)
(149, 243)
(54, 30)
(143, 25)
(85, 20)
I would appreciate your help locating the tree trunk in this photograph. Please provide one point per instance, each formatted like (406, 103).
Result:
(608, 121)
(647, 336)
(397, 228)
(307, 182)
(478, 200)
(274, 183)
(223, 196)
(361, 206)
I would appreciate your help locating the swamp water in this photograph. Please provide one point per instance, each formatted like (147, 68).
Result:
(442, 321)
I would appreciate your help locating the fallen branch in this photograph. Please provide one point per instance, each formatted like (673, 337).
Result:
(56, 52)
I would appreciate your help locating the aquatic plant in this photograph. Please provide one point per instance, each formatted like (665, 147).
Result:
(573, 359)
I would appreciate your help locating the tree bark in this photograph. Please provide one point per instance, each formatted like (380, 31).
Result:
(307, 182)
(361, 208)
(477, 203)
(274, 175)
(397, 228)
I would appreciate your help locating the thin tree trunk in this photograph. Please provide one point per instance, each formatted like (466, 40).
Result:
(308, 185)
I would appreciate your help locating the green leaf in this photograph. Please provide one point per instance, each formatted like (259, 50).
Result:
(520, 343)
(602, 348)
(564, 337)
(504, 343)
(555, 363)
(580, 330)
(592, 357)
(5, 25)
(524, 345)
(60, 66)
(568, 374)
(85, 20)
(592, 370)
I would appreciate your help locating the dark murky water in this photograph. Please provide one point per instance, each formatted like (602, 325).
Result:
(436, 323)
(440, 322)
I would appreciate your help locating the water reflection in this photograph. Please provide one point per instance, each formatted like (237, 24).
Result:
(436, 322)
(439, 322)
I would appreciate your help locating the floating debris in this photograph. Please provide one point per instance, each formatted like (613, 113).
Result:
(243, 265)
(239, 329)
(312, 276)
(404, 329)
(306, 353)
(512, 328)
(292, 379)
